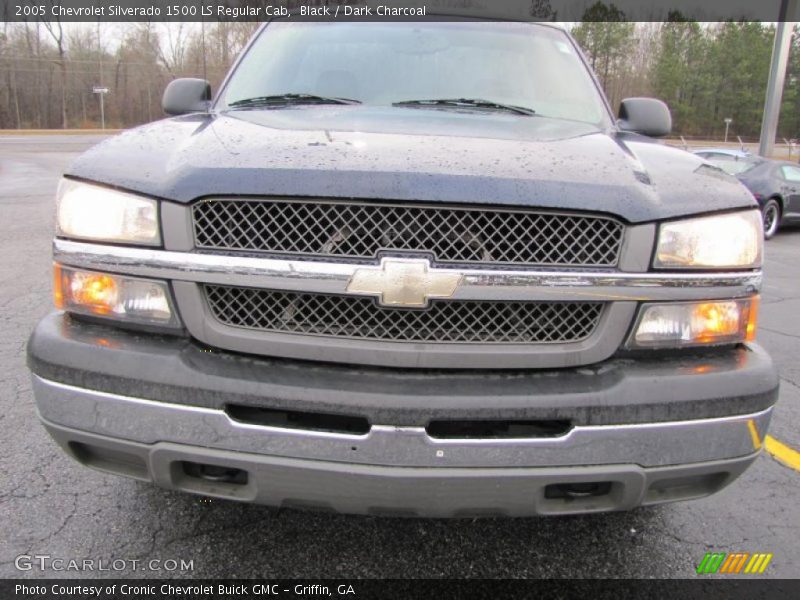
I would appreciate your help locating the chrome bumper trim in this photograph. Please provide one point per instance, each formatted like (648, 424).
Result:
(648, 444)
(477, 284)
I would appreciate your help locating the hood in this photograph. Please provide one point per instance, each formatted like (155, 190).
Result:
(411, 154)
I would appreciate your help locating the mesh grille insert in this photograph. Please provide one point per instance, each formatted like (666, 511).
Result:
(450, 321)
(451, 234)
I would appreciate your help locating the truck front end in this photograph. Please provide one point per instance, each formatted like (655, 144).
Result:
(415, 331)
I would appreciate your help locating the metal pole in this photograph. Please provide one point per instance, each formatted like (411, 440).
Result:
(727, 124)
(203, 39)
(99, 55)
(777, 75)
(100, 71)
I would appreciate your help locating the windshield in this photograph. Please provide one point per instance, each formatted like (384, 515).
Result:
(733, 165)
(523, 65)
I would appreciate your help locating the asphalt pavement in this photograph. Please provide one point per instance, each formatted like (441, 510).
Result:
(50, 505)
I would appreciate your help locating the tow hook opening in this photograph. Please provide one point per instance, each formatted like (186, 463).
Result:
(214, 473)
(575, 491)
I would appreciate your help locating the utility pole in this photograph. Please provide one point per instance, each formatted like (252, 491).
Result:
(99, 54)
(777, 75)
(99, 89)
(203, 40)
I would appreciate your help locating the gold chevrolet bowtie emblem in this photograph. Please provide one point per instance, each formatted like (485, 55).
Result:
(404, 282)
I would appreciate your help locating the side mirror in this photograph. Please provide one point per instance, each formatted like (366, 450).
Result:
(647, 116)
(187, 95)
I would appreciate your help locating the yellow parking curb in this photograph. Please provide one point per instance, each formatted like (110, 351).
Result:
(782, 453)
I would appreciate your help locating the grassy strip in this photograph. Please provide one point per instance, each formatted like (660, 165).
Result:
(59, 131)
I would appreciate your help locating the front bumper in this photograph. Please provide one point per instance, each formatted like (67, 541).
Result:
(649, 431)
(398, 491)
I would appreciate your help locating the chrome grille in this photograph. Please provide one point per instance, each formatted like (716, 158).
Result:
(445, 321)
(451, 234)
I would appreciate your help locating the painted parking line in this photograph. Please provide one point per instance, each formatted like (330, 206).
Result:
(782, 453)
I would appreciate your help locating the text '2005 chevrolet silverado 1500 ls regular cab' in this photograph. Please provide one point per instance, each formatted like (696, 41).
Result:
(414, 269)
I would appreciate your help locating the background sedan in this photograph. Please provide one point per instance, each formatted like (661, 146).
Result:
(774, 183)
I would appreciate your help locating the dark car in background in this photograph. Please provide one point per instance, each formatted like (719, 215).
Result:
(774, 183)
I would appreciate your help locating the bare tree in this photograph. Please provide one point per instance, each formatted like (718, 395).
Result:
(173, 52)
(56, 31)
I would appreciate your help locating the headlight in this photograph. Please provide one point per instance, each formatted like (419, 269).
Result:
(96, 213)
(683, 324)
(127, 299)
(733, 240)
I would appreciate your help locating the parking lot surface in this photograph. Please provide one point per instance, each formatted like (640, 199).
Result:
(51, 505)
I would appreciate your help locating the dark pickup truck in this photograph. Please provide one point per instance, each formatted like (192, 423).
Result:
(407, 269)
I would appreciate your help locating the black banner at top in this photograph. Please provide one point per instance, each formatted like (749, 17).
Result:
(397, 10)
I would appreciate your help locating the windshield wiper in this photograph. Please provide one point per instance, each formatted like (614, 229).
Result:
(468, 103)
(283, 99)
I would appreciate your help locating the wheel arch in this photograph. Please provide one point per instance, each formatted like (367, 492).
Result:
(781, 202)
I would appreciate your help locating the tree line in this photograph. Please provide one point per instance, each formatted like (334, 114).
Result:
(706, 72)
(48, 70)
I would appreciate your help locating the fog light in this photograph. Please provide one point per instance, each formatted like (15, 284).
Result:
(126, 299)
(695, 324)
(97, 292)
